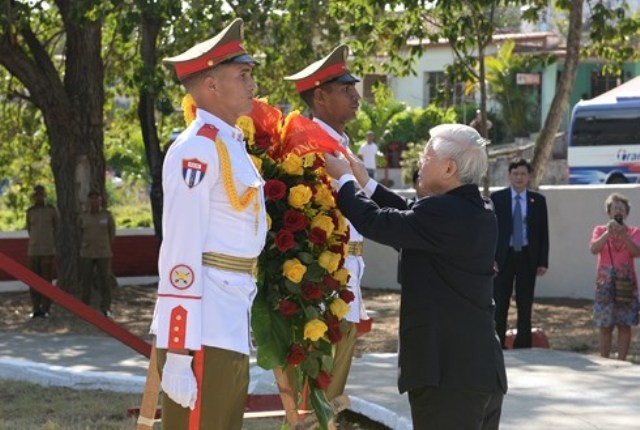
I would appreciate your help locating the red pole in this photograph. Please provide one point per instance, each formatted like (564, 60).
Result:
(74, 305)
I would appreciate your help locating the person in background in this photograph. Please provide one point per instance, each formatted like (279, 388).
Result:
(215, 225)
(451, 362)
(616, 244)
(368, 152)
(522, 252)
(97, 233)
(328, 88)
(42, 226)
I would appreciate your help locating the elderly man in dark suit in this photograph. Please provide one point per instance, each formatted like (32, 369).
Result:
(523, 249)
(450, 359)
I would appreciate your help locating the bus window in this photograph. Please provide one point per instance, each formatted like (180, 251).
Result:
(604, 141)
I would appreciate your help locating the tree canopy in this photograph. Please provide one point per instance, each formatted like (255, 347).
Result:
(66, 66)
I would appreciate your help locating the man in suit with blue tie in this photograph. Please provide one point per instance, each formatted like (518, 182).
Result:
(522, 252)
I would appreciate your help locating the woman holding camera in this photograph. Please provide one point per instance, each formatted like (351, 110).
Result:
(616, 300)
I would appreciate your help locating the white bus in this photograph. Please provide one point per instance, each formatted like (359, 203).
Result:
(604, 137)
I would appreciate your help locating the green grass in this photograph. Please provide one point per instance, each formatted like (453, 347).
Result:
(27, 406)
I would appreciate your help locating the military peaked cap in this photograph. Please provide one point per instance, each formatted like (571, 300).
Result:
(225, 47)
(332, 68)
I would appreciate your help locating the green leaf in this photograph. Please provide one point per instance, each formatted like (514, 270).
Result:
(314, 272)
(321, 406)
(292, 287)
(305, 257)
(327, 363)
(311, 366)
(271, 334)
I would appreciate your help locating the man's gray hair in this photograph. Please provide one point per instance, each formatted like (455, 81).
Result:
(465, 146)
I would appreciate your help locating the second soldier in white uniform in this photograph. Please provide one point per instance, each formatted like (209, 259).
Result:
(328, 88)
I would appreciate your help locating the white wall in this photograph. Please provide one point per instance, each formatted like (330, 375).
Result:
(573, 212)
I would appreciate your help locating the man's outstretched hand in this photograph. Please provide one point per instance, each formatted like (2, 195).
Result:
(337, 165)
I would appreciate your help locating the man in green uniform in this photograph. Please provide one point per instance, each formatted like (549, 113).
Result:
(97, 232)
(42, 226)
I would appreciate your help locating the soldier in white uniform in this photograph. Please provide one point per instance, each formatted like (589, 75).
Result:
(214, 225)
(329, 90)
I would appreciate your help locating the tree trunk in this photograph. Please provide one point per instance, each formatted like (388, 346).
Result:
(486, 182)
(72, 110)
(150, 28)
(558, 107)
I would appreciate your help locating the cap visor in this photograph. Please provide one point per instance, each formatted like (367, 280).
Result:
(347, 78)
(243, 59)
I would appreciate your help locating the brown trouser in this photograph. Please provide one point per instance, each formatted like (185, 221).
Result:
(342, 362)
(223, 381)
(41, 265)
(102, 278)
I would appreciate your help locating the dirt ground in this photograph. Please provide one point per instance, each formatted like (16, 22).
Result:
(566, 322)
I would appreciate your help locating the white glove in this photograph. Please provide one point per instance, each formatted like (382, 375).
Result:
(178, 380)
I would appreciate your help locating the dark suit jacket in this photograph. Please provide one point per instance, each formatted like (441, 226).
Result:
(537, 227)
(447, 335)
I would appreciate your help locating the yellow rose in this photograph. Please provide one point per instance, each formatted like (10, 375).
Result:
(339, 308)
(292, 164)
(245, 124)
(329, 260)
(324, 222)
(294, 270)
(256, 162)
(324, 197)
(268, 222)
(299, 196)
(308, 160)
(315, 329)
(341, 275)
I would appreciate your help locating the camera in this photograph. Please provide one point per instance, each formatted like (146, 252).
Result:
(618, 218)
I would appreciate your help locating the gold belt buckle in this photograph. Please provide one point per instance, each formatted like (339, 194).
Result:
(356, 248)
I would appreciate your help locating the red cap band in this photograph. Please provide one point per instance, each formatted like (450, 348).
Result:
(321, 76)
(210, 59)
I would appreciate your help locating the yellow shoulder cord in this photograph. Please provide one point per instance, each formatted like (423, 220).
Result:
(237, 203)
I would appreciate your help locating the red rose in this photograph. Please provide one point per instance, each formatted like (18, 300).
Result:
(284, 240)
(345, 237)
(330, 282)
(317, 163)
(333, 331)
(334, 218)
(263, 142)
(275, 189)
(288, 308)
(296, 355)
(318, 236)
(338, 249)
(294, 220)
(347, 296)
(323, 380)
(311, 291)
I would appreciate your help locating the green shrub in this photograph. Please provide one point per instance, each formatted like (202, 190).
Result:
(413, 125)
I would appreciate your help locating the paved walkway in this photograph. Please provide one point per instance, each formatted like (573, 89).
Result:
(548, 389)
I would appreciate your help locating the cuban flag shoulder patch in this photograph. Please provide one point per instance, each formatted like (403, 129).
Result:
(193, 171)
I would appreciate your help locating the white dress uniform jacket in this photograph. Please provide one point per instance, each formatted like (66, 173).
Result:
(199, 305)
(354, 264)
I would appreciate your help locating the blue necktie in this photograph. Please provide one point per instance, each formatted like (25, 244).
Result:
(518, 238)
